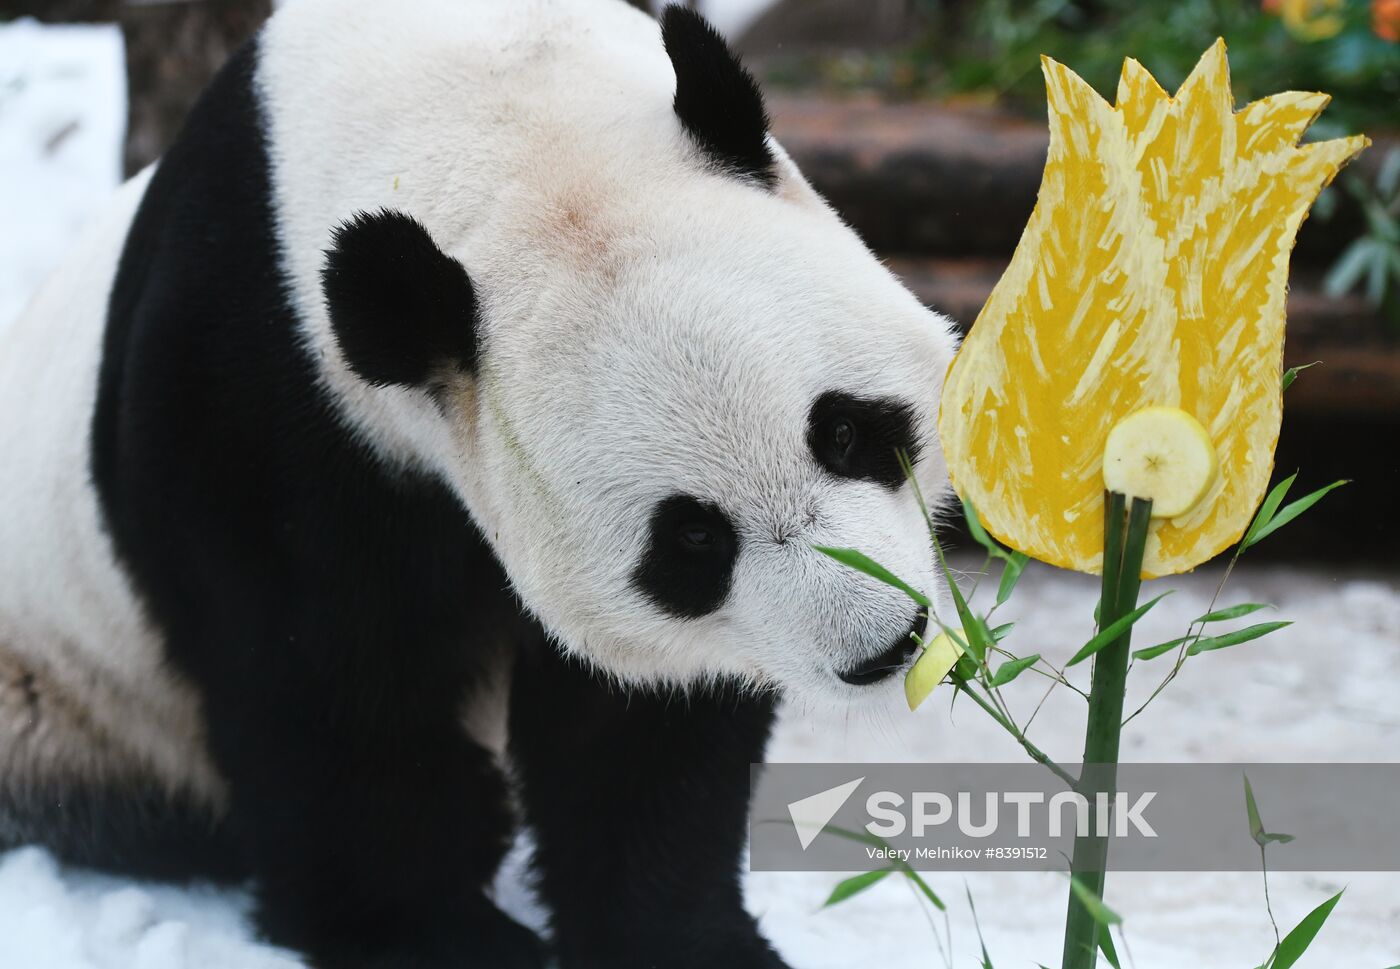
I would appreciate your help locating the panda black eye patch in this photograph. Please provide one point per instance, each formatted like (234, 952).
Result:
(689, 559)
(861, 437)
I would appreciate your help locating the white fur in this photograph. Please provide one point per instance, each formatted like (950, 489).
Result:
(84, 693)
(650, 326)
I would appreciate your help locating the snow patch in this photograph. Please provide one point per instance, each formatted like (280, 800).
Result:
(62, 120)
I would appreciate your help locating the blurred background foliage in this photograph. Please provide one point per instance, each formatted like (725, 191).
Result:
(989, 51)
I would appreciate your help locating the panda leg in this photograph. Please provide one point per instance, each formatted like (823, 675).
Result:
(370, 843)
(639, 804)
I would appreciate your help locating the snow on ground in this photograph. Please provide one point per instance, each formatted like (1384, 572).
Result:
(1322, 689)
(62, 116)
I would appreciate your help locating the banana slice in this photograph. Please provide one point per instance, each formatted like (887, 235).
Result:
(940, 655)
(1162, 453)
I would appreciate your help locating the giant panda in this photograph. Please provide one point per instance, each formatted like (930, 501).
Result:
(437, 437)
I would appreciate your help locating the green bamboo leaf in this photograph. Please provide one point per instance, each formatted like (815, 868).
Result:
(855, 885)
(1013, 668)
(1293, 510)
(850, 558)
(1235, 638)
(977, 924)
(1097, 910)
(1267, 509)
(1113, 630)
(1291, 374)
(970, 644)
(1233, 612)
(1001, 632)
(980, 637)
(922, 885)
(979, 534)
(1010, 575)
(1106, 947)
(977, 638)
(865, 838)
(1152, 652)
(1295, 943)
(1256, 826)
(966, 669)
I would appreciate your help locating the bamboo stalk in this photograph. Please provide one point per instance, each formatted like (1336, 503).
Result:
(1122, 572)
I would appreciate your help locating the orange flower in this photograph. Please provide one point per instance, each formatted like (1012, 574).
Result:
(1385, 19)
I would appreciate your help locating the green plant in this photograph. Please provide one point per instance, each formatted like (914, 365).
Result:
(991, 49)
(1089, 921)
(1373, 260)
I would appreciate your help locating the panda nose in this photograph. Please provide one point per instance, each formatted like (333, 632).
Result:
(891, 660)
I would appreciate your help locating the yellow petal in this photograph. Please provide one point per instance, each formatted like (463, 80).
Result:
(1278, 120)
(1152, 273)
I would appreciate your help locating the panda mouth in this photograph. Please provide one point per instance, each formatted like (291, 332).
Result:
(895, 658)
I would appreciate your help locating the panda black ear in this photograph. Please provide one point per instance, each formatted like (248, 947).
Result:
(402, 310)
(717, 100)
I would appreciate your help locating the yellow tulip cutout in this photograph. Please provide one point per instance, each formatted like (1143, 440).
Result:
(1152, 273)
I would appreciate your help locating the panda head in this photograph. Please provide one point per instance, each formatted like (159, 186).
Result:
(662, 397)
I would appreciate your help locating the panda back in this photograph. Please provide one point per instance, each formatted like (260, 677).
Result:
(85, 697)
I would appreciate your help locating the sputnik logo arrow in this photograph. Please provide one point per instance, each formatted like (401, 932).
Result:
(811, 815)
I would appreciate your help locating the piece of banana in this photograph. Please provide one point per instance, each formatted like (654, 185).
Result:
(1161, 453)
(941, 654)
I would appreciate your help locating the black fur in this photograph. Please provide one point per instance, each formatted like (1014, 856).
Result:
(122, 827)
(638, 803)
(402, 309)
(335, 615)
(857, 437)
(690, 556)
(892, 659)
(332, 613)
(717, 99)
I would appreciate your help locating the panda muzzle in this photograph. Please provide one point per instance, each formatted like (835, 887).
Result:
(894, 658)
